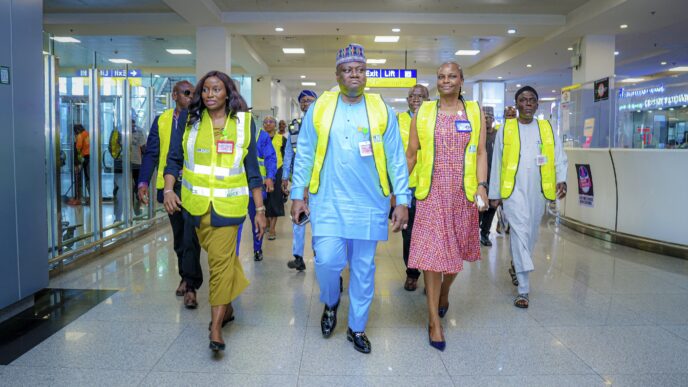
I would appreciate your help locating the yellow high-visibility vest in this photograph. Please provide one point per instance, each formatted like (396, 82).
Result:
(511, 156)
(425, 124)
(277, 145)
(212, 177)
(261, 161)
(323, 115)
(404, 130)
(165, 122)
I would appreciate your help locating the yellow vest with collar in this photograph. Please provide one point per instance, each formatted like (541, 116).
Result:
(323, 115)
(165, 122)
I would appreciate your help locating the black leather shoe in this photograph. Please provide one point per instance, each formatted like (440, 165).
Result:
(297, 263)
(485, 241)
(258, 256)
(328, 321)
(360, 340)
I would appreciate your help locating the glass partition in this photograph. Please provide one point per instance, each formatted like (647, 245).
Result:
(643, 114)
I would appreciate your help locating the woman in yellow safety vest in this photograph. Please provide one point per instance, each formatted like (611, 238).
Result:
(451, 188)
(218, 156)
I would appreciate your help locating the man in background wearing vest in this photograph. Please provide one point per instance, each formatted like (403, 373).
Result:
(306, 98)
(416, 95)
(350, 151)
(267, 163)
(487, 216)
(186, 244)
(528, 168)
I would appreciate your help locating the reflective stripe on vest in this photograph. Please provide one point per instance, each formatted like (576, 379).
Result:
(425, 124)
(323, 116)
(211, 177)
(404, 130)
(165, 122)
(261, 161)
(511, 156)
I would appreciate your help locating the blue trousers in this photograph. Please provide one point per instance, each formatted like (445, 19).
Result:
(333, 255)
(298, 240)
(257, 243)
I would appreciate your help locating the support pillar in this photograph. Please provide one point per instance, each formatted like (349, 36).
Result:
(213, 50)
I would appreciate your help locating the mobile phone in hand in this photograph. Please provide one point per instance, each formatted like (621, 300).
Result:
(303, 219)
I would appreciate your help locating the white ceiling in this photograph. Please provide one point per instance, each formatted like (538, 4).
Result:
(431, 31)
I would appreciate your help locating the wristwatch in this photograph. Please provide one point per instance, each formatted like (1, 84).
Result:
(484, 184)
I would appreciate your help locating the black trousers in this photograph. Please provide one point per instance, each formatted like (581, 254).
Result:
(486, 221)
(406, 236)
(186, 246)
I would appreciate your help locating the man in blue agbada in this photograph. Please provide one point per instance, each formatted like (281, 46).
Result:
(350, 153)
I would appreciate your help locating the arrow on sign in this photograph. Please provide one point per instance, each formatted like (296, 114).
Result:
(133, 73)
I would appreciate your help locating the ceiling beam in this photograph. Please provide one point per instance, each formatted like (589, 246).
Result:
(199, 13)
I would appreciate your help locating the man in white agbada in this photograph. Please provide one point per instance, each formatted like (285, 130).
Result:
(528, 168)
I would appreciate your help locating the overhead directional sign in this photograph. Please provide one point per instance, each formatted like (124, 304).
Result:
(391, 78)
(112, 73)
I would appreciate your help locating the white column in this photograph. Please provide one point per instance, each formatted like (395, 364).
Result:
(490, 94)
(261, 93)
(213, 50)
(597, 58)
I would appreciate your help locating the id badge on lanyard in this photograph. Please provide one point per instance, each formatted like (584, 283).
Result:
(540, 159)
(463, 126)
(225, 147)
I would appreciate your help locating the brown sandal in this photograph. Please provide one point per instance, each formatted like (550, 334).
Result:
(190, 299)
(521, 301)
(411, 284)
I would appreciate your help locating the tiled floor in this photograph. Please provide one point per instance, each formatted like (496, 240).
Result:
(600, 315)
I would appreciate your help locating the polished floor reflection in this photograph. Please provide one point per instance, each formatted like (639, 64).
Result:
(600, 314)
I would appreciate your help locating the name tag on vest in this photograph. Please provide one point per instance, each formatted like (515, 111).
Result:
(365, 148)
(225, 147)
(463, 126)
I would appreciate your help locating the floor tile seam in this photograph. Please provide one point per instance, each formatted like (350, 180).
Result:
(164, 352)
(528, 375)
(673, 334)
(573, 352)
(305, 333)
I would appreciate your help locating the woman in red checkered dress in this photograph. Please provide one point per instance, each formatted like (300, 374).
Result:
(446, 228)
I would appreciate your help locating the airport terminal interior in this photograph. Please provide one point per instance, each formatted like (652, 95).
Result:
(90, 275)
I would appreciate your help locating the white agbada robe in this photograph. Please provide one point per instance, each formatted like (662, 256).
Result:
(526, 205)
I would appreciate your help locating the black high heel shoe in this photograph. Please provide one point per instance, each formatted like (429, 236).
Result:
(216, 346)
(439, 345)
(442, 310)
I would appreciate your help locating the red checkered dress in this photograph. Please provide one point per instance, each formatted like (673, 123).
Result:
(445, 230)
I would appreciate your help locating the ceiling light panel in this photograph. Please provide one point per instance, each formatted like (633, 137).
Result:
(120, 61)
(178, 51)
(679, 68)
(467, 52)
(65, 39)
(386, 39)
(293, 51)
(376, 61)
(308, 84)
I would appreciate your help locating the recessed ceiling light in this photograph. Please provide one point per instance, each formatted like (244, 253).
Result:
(511, 31)
(400, 100)
(424, 84)
(660, 109)
(500, 77)
(366, 88)
(671, 109)
(303, 76)
(570, 48)
(632, 80)
(65, 39)
(376, 61)
(547, 99)
(467, 52)
(396, 29)
(308, 83)
(679, 68)
(554, 91)
(121, 61)
(663, 63)
(616, 53)
(386, 39)
(156, 76)
(178, 51)
(623, 26)
(529, 65)
(518, 85)
(279, 29)
(637, 111)
(293, 51)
